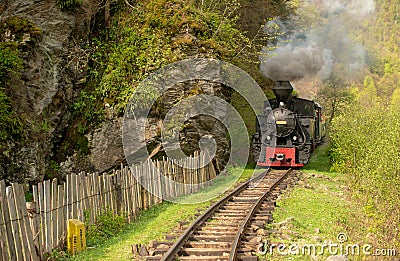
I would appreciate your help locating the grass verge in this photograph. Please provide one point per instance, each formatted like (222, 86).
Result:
(157, 221)
(151, 224)
(313, 213)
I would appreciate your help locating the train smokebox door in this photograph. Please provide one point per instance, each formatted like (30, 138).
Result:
(76, 236)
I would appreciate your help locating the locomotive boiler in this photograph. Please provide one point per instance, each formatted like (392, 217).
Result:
(288, 130)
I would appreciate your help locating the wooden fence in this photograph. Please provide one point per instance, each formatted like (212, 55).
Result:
(28, 230)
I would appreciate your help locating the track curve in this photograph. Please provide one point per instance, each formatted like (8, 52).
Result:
(223, 231)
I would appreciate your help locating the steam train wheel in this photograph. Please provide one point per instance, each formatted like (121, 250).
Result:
(304, 154)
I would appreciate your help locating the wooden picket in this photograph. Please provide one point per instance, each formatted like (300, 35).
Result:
(30, 233)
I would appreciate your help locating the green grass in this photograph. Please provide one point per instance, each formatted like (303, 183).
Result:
(319, 203)
(220, 184)
(313, 211)
(319, 161)
(155, 223)
(150, 225)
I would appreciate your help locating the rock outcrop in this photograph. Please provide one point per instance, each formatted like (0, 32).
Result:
(49, 81)
(55, 71)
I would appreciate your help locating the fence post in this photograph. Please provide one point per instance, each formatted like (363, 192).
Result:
(25, 227)
(5, 246)
(14, 224)
(121, 192)
(36, 222)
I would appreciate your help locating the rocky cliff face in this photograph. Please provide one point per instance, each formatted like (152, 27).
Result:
(54, 72)
(105, 142)
(48, 83)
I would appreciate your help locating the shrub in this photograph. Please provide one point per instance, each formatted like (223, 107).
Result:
(68, 4)
(11, 126)
(366, 149)
(107, 225)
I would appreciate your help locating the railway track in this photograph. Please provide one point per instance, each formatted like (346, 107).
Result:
(232, 228)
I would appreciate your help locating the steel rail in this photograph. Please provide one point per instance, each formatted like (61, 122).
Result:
(170, 255)
(233, 253)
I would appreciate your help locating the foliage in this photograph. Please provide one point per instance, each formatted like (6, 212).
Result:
(6, 121)
(107, 225)
(10, 61)
(10, 64)
(334, 95)
(383, 45)
(145, 37)
(365, 135)
(366, 148)
(57, 255)
(88, 109)
(68, 4)
(52, 170)
(152, 34)
(15, 31)
(157, 33)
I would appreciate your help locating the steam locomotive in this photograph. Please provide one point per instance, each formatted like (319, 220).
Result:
(288, 130)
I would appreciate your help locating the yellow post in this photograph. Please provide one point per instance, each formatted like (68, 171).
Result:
(76, 239)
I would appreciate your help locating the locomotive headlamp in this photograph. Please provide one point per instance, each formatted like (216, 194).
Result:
(268, 137)
(294, 138)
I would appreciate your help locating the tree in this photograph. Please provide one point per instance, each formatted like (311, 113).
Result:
(333, 95)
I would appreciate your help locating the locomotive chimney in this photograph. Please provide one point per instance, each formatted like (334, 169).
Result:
(282, 91)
